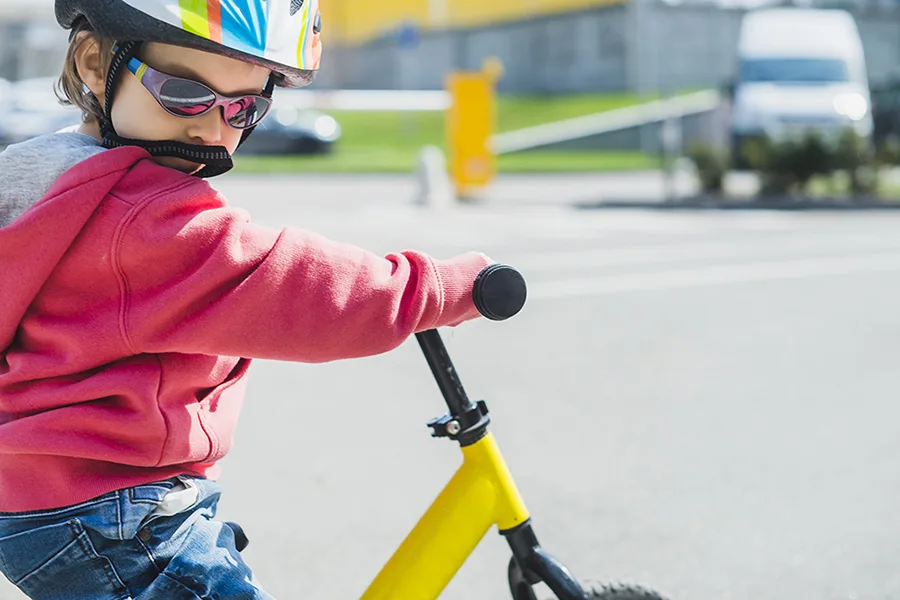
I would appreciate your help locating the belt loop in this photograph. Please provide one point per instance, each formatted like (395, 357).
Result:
(120, 510)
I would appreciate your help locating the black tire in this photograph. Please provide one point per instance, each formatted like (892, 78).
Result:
(623, 592)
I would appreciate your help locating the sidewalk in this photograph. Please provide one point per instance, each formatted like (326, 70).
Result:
(343, 192)
(394, 189)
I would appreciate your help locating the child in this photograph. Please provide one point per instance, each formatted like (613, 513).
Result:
(132, 299)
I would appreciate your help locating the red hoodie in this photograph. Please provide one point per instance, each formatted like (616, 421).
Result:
(132, 299)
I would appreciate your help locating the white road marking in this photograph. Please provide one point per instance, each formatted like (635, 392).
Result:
(715, 275)
(668, 253)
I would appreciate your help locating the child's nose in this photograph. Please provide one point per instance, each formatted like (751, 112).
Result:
(207, 129)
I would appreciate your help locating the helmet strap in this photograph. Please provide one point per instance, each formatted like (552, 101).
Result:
(210, 170)
(217, 159)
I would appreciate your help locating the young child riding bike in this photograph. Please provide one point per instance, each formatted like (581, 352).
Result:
(133, 298)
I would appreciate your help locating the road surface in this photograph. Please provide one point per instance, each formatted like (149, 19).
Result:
(705, 403)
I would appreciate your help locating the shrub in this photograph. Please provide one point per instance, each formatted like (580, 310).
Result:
(711, 165)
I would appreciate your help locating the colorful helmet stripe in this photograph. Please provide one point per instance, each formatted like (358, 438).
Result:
(244, 25)
(272, 29)
(302, 55)
(202, 17)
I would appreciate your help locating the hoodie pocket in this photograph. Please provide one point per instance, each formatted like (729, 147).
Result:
(221, 408)
(201, 428)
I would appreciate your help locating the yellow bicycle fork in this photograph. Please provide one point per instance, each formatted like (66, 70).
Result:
(480, 495)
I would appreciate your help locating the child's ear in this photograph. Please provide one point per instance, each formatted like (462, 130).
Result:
(89, 65)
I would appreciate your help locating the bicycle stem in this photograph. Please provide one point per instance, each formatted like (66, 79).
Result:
(444, 372)
(499, 293)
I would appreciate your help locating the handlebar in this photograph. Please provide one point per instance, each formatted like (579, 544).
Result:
(499, 292)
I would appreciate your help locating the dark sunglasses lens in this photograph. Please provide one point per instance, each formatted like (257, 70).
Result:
(186, 98)
(246, 112)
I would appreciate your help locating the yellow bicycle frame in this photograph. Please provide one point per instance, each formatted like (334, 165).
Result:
(482, 493)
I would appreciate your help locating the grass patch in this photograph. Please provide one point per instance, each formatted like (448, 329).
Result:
(414, 129)
(575, 161)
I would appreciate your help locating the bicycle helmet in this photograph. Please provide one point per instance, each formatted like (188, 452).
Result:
(280, 35)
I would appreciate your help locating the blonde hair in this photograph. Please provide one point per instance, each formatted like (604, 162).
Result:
(70, 88)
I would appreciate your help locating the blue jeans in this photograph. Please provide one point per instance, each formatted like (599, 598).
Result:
(113, 548)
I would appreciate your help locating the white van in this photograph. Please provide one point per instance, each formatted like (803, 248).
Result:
(799, 69)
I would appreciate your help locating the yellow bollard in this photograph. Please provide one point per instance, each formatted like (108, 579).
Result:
(471, 122)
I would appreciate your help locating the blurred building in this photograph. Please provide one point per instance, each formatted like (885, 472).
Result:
(547, 46)
(31, 43)
(635, 45)
(354, 21)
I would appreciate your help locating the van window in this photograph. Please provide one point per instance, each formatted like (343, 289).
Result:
(793, 70)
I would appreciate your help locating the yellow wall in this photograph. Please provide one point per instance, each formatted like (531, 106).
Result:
(358, 20)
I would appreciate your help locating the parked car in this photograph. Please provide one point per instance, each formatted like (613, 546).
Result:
(32, 109)
(799, 70)
(293, 131)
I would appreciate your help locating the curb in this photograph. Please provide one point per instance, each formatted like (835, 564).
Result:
(716, 203)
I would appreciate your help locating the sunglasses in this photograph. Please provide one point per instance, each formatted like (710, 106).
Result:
(187, 98)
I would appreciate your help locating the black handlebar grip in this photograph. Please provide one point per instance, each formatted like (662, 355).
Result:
(499, 292)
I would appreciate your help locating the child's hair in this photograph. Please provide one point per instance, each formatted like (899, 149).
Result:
(70, 88)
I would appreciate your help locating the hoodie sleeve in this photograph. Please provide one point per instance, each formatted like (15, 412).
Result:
(199, 277)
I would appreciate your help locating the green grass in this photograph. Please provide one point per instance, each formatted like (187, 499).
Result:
(889, 193)
(549, 161)
(518, 112)
(389, 142)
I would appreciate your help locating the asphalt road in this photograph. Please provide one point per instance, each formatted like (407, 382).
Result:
(705, 403)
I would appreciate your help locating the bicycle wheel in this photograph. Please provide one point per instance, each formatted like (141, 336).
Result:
(623, 592)
(521, 589)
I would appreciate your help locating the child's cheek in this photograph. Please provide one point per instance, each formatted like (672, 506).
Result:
(231, 139)
(136, 114)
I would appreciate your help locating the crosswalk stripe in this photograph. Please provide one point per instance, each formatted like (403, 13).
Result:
(715, 275)
(568, 260)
